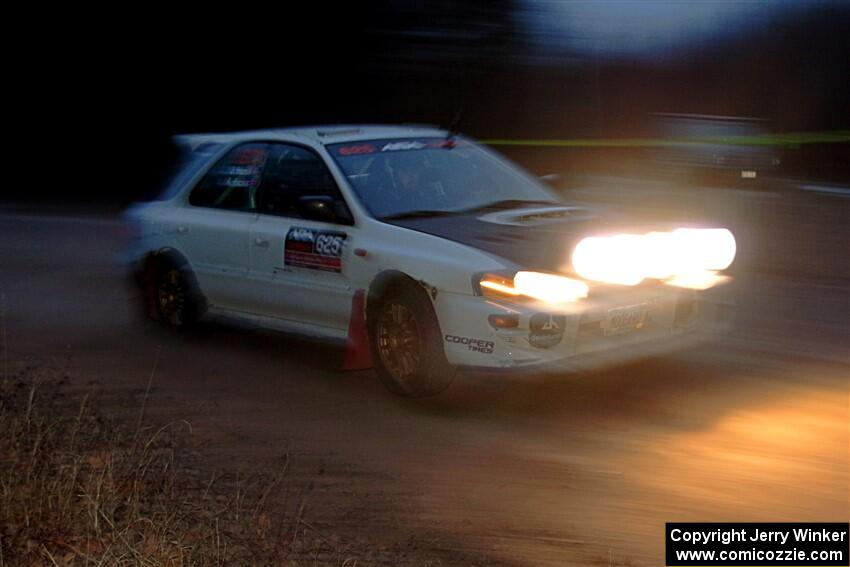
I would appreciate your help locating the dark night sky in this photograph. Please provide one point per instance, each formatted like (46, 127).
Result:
(113, 90)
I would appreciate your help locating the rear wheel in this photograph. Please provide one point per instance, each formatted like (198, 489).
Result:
(407, 344)
(171, 294)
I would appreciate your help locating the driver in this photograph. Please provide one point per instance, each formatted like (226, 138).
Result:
(403, 182)
(405, 172)
(414, 187)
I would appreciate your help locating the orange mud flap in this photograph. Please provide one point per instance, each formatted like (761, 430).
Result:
(357, 354)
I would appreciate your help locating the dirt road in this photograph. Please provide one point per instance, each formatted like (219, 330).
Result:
(582, 470)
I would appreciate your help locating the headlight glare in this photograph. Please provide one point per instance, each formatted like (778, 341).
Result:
(711, 248)
(550, 288)
(682, 257)
(612, 259)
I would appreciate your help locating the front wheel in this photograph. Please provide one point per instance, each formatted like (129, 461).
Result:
(406, 343)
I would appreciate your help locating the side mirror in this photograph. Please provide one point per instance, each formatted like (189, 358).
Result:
(323, 208)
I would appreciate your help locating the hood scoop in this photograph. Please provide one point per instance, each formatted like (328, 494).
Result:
(531, 216)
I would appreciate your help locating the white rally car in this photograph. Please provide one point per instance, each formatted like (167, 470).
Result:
(424, 251)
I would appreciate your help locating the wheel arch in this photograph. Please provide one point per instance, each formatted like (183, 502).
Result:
(167, 254)
(436, 368)
(153, 262)
(384, 281)
(155, 259)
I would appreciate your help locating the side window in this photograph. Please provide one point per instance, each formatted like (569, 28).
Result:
(233, 182)
(293, 172)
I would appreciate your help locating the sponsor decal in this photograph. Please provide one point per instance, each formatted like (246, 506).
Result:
(446, 143)
(545, 330)
(473, 344)
(359, 149)
(238, 182)
(238, 170)
(244, 168)
(250, 155)
(402, 146)
(397, 145)
(314, 249)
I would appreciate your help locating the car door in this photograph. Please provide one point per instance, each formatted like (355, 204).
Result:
(213, 229)
(299, 261)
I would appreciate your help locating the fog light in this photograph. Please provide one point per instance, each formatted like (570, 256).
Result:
(503, 321)
(545, 330)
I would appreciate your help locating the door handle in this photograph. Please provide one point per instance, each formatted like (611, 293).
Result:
(261, 242)
(182, 229)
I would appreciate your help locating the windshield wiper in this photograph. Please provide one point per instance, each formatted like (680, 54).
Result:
(424, 213)
(504, 204)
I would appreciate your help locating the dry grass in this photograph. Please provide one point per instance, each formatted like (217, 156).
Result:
(79, 489)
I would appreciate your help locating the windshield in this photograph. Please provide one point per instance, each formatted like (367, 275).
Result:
(400, 177)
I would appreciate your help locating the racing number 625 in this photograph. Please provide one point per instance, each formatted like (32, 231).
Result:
(329, 245)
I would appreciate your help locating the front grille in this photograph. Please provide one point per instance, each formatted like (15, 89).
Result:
(590, 328)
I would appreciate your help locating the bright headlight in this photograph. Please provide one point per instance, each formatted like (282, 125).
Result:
(550, 288)
(681, 257)
(711, 248)
(613, 259)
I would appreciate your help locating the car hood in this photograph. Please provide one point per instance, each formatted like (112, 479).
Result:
(531, 238)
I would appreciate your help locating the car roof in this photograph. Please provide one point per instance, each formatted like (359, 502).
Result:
(329, 134)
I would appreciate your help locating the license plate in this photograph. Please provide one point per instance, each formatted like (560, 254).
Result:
(624, 319)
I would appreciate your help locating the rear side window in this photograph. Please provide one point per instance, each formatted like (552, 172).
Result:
(186, 162)
(293, 172)
(234, 180)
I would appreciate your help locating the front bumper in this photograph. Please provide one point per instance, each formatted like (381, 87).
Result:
(577, 337)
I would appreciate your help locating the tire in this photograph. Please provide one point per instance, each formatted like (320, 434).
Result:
(406, 343)
(171, 294)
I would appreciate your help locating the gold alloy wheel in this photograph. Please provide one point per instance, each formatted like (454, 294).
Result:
(399, 343)
(171, 297)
